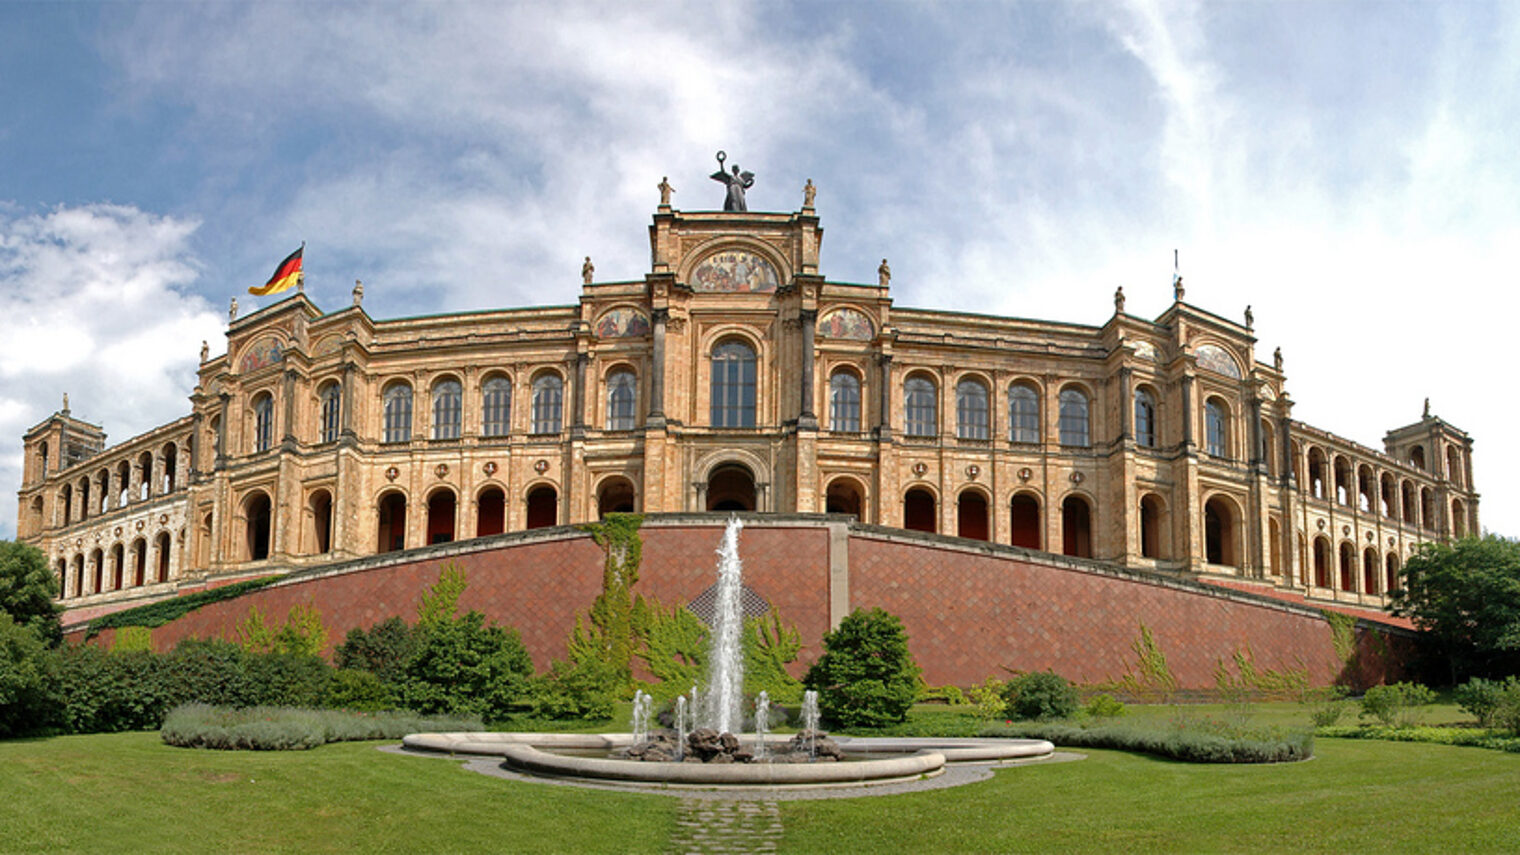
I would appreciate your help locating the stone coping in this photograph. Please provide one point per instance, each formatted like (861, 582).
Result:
(919, 757)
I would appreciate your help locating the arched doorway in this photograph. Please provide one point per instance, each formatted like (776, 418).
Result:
(1321, 562)
(919, 512)
(1392, 571)
(731, 487)
(843, 497)
(1076, 527)
(1348, 567)
(321, 521)
(118, 567)
(440, 516)
(392, 523)
(543, 507)
(163, 542)
(615, 496)
(1024, 520)
(971, 515)
(139, 562)
(490, 512)
(1219, 533)
(1150, 526)
(1370, 564)
(256, 510)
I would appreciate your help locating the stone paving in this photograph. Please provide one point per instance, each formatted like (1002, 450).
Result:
(712, 826)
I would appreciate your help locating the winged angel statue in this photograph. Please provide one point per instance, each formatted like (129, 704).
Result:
(737, 183)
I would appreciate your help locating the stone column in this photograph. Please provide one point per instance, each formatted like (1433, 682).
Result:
(1187, 413)
(884, 397)
(1258, 461)
(346, 404)
(806, 417)
(657, 379)
(578, 421)
(1127, 404)
(221, 433)
(288, 389)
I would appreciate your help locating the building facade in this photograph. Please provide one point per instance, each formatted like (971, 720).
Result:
(734, 376)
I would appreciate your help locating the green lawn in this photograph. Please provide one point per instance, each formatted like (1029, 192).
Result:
(130, 793)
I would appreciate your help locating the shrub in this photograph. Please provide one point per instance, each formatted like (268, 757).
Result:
(462, 666)
(1396, 705)
(1482, 698)
(27, 701)
(987, 696)
(283, 728)
(1104, 706)
(1507, 713)
(132, 638)
(1040, 696)
(353, 689)
(384, 650)
(289, 679)
(769, 646)
(1326, 706)
(866, 676)
(1213, 743)
(585, 690)
(103, 692)
(212, 672)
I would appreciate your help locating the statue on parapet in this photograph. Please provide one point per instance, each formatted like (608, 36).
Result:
(736, 183)
(665, 191)
(809, 192)
(883, 274)
(587, 271)
(1119, 300)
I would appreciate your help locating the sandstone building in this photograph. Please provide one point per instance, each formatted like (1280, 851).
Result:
(734, 376)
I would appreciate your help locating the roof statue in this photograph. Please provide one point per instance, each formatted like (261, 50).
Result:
(665, 191)
(737, 183)
(1426, 415)
(1250, 318)
(587, 271)
(232, 311)
(809, 192)
(205, 350)
(358, 292)
(1119, 300)
(1277, 359)
(883, 274)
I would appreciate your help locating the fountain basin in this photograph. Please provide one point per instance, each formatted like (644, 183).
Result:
(534, 753)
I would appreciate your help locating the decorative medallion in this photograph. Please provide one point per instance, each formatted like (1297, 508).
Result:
(1346, 530)
(266, 351)
(1218, 360)
(1371, 537)
(441, 470)
(1026, 473)
(1077, 477)
(118, 531)
(541, 466)
(621, 323)
(734, 271)
(846, 323)
(1321, 524)
(79, 541)
(489, 468)
(1392, 541)
(972, 471)
(139, 525)
(163, 519)
(920, 468)
(391, 473)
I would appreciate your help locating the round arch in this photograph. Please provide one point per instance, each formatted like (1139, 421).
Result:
(490, 509)
(615, 494)
(1222, 530)
(845, 494)
(319, 507)
(920, 509)
(972, 518)
(390, 520)
(442, 515)
(1077, 525)
(731, 487)
(1024, 520)
(1155, 533)
(542, 500)
(258, 528)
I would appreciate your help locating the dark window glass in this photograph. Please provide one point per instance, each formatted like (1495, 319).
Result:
(733, 385)
(844, 402)
(920, 410)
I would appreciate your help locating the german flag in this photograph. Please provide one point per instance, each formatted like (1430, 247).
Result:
(284, 276)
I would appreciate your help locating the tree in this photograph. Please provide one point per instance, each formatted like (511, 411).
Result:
(27, 589)
(1465, 598)
(866, 677)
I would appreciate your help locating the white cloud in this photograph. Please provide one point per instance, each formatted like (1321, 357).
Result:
(95, 304)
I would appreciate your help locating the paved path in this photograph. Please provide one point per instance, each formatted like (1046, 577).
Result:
(714, 826)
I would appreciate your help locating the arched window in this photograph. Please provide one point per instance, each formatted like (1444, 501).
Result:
(1023, 414)
(1073, 418)
(1217, 423)
(733, 385)
(920, 407)
(844, 402)
(622, 393)
(971, 410)
(398, 413)
(263, 422)
(1145, 419)
(448, 398)
(496, 407)
(171, 467)
(548, 403)
(331, 396)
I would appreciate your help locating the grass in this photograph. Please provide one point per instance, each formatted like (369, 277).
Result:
(131, 793)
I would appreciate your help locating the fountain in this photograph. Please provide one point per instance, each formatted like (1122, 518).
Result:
(704, 750)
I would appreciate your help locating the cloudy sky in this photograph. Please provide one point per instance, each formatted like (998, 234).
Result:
(1347, 169)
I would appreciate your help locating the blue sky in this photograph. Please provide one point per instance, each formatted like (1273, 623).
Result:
(1346, 169)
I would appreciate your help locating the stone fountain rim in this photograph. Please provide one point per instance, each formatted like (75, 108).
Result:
(921, 757)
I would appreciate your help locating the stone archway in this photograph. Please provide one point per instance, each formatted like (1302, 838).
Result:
(731, 487)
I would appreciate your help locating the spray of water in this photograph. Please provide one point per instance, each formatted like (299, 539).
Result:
(810, 721)
(725, 678)
(681, 727)
(762, 723)
(642, 703)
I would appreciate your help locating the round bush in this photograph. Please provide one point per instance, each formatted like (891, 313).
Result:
(866, 677)
(1041, 696)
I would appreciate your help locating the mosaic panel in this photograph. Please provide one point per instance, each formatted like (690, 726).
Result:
(266, 351)
(734, 271)
(622, 323)
(1217, 360)
(846, 323)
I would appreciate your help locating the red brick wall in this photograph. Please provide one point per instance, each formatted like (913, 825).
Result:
(969, 614)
